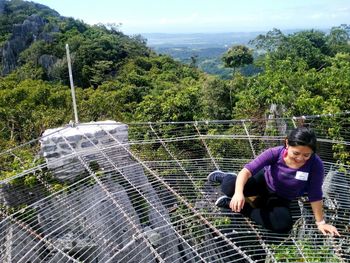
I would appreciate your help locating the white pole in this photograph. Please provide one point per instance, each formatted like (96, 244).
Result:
(72, 85)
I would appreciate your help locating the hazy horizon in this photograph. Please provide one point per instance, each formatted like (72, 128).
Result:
(206, 16)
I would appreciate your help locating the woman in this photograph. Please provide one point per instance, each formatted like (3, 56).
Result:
(278, 176)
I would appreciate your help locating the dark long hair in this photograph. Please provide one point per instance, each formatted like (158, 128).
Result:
(302, 136)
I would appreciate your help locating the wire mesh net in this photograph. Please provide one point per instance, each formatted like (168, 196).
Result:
(147, 198)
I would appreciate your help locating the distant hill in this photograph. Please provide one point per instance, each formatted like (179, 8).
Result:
(200, 49)
(199, 40)
(203, 49)
(205, 40)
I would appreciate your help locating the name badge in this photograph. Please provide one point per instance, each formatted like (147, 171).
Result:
(301, 176)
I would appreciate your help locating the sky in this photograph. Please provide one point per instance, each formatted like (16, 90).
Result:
(206, 16)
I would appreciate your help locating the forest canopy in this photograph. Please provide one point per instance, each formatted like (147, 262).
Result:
(119, 77)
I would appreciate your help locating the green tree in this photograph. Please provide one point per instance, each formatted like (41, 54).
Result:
(312, 46)
(338, 40)
(216, 101)
(179, 103)
(269, 42)
(29, 107)
(237, 56)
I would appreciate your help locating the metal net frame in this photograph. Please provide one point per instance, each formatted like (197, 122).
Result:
(148, 199)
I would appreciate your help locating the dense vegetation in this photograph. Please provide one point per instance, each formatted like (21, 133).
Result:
(118, 77)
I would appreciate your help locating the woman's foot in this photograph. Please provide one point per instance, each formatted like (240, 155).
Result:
(223, 202)
(217, 176)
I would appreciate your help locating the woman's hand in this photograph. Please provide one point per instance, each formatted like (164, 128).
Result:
(328, 229)
(317, 208)
(237, 202)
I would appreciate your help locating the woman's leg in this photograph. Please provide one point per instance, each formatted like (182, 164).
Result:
(256, 185)
(275, 215)
(274, 212)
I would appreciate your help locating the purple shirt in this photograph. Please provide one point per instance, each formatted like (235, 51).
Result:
(289, 182)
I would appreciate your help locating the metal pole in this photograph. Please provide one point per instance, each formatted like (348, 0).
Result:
(72, 85)
(249, 139)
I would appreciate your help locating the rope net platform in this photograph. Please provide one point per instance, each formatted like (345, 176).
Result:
(147, 198)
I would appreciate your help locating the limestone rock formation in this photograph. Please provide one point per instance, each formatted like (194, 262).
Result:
(2, 6)
(22, 36)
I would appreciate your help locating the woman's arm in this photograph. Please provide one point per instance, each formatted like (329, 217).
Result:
(267, 157)
(317, 209)
(238, 199)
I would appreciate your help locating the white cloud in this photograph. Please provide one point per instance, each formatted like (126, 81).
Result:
(256, 19)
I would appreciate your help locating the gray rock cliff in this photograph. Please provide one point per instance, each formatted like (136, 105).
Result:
(22, 36)
(2, 6)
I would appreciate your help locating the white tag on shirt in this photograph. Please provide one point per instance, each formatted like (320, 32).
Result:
(301, 176)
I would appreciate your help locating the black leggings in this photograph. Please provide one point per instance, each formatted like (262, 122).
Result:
(272, 211)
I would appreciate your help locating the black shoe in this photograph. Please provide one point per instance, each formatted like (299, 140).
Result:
(223, 201)
(217, 176)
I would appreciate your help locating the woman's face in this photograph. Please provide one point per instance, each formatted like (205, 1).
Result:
(299, 154)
